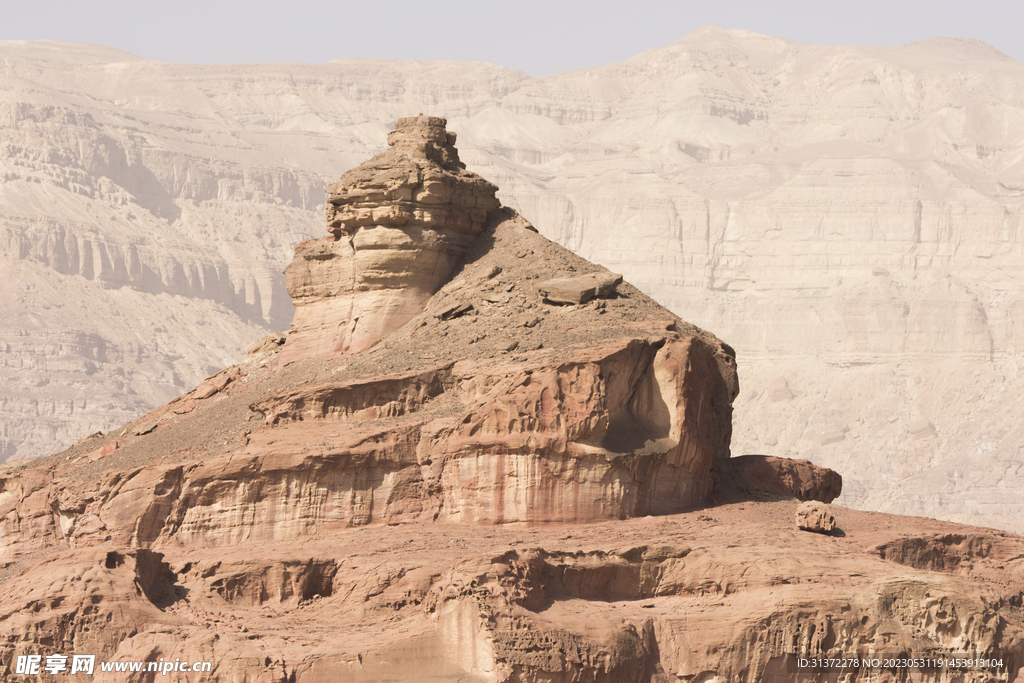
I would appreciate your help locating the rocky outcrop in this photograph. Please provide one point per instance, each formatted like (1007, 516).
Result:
(737, 594)
(686, 609)
(488, 404)
(579, 290)
(764, 477)
(502, 487)
(418, 184)
(815, 206)
(521, 442)
(952, 552)
(400, 223)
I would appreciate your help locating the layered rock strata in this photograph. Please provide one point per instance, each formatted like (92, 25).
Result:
(399, 224)
(509, 449)
(491, 404)
(849, 218)
(733, 594)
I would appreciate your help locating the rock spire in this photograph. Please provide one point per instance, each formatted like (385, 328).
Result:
(532, 387)
(398, 226)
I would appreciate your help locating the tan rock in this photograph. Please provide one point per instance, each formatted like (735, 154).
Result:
(400, 223)
(677, 596)
(268, 344)
(750, 184)
(815, 516)
(579, 290)
(233, 531)
(598, 414)
(506, 454)
(419, 182)
(214, 385)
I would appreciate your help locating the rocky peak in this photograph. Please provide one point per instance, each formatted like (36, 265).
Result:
(533, 393)
(398, 224)
(426, 136)
(418, 182)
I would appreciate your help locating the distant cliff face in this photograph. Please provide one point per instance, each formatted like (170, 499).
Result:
(849, 218)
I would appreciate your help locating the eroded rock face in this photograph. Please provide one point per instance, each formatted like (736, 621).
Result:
(730, 595)
(399, 224)
(782, 212)
(512, 411)
(496, 490)
(683, 610)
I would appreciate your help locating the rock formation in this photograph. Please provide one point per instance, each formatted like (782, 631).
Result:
(763, 477)
(401, 400)
(503, 486)
(814, 516)
(399, 224)
(847, 217)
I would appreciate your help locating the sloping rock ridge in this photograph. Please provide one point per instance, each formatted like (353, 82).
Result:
(466, 399)
(503, 485)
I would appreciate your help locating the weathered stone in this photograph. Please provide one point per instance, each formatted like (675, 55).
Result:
(232, 534)
(419, 182)
(145, 428)
(764, 476)
(815, 516)
(603, 605)
(830, 264)
(453, 311)
(268, 344)
(399, 223)
(579, 290)
(213, 385)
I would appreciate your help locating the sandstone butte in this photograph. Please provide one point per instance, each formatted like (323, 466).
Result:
(849, 218)
(475, 457)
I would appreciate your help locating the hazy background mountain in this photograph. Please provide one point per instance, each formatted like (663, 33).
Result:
(849, 218)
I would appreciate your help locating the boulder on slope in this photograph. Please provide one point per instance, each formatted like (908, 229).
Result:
(579, 290)
(815, 516)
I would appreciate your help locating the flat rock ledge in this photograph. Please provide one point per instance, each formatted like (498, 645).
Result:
(581, 289)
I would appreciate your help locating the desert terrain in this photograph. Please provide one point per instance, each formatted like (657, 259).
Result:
(848, 218)
(476, 456)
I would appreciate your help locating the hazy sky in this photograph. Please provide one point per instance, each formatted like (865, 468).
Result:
(537, 37)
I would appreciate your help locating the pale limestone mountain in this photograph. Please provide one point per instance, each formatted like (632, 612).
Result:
(848, 218)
